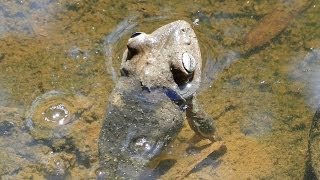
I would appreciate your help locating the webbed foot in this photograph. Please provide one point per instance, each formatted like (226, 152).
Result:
(200, 122)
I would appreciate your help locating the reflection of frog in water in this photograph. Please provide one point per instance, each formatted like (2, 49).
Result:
(160, 74)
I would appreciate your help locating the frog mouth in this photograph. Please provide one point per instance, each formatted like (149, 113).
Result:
(187, 90)
(185, 84)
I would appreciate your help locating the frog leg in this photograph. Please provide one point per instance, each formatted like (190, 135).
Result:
(199, 121)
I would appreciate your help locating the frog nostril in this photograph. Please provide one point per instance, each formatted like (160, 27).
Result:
(135, 34)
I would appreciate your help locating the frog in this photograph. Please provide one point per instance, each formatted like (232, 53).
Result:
(156, 91)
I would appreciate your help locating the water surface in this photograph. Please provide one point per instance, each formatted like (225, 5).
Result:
(262, 98)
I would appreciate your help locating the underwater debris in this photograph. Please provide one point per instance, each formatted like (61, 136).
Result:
(273, 24)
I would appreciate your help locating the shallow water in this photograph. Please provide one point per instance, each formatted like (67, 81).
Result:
(262, 98)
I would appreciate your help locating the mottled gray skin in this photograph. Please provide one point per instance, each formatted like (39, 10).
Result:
(147, 107)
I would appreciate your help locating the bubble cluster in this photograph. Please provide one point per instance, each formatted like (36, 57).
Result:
(57, 113)
(52, 115)
(141, 145)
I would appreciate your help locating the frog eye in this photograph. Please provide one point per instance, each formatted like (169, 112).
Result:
(131, 52)
(189, 63)
(135, 34)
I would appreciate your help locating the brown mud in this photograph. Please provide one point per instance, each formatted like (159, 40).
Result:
(261, 113)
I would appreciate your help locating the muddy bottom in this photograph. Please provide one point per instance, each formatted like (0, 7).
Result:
(59, 62)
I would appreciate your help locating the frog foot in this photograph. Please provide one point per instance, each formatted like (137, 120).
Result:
(198, 137)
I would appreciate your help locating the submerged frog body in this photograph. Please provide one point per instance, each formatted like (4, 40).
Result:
(160, 74)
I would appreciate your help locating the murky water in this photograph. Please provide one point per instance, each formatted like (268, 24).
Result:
(59, 60)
